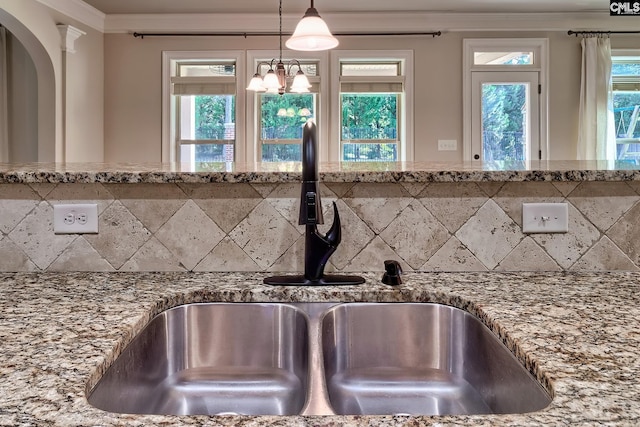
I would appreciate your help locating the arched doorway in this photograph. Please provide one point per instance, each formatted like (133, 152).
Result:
(46, 87)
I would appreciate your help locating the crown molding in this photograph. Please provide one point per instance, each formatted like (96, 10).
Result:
(370, 22)
(340, 22)
(79, 11)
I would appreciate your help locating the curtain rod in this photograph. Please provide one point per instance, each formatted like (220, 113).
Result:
(245, 34)
(579, 33)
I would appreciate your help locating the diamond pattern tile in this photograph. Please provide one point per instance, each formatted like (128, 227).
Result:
(43, 189)
(292, 260)
(120, 235)
(603, 203)
(152, 204)
(253, 227)
(286, 200)
(34, 236)
(153, 256)
(190, 235)
(227, 256)
(80, 256)
(372, 257)
(604, 256)
(226, 204)
(453, 256)
(625, 234)
(490, 234)
(415, 235)
(452, 203)
(377, 204)
(528, 256)
(16, 201)
(356, 235)
(513, 194)
(567, 248)
(13, 259)
(81, 193)
(264, 235)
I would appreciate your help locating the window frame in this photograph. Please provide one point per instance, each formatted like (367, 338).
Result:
(621, 80)
(405, 129)
(252, 125)
(540, 48)
(170, 137)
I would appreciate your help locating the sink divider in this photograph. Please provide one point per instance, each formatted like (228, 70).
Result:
(318, 397)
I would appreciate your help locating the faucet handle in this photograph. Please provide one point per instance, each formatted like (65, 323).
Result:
(334, 235)
(393, 270)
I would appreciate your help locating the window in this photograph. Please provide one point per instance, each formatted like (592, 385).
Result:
(625, 71)
(281, 118)
(504, 99)
(274, 122)
(205, 99)
(201, 108)
(373, 117)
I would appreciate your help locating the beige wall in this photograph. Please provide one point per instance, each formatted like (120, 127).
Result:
(22, 99)
(70, 106)
(84, 99)
(133, 88)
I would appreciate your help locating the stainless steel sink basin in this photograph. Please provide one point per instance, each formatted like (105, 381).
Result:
(317, 359)
(421, 359)
(212, 359)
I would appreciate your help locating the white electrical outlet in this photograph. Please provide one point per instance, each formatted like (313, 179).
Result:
(545, 218)
(447, 145)
(80, 218)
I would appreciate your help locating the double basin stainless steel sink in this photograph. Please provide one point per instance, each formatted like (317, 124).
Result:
(317, 359)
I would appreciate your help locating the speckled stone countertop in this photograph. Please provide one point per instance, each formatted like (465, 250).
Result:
(329, 172)
(578, 333)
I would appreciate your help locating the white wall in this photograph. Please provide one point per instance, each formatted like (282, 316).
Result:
(133, 88)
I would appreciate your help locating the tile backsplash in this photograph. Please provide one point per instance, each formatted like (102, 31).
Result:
(467, 226)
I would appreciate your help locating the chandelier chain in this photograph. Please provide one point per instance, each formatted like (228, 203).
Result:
(280, 32)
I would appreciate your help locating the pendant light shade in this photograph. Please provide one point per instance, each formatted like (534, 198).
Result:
(256, 84)
(300, 83)
(271, 83)
(312, 33)
(275, 80)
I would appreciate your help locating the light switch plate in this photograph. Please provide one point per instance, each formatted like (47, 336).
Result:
(545, 218)
(76, 218)
(447, 145)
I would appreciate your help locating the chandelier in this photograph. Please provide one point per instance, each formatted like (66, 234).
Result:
(311, 34)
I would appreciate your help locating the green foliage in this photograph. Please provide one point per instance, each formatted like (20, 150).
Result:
(211, 114)
(282, 116)
(369, 116)
(503, 108)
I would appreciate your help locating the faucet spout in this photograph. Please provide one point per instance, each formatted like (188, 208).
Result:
(318, 248)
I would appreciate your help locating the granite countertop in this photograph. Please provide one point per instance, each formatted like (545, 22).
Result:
(385, 172)
(579, 333)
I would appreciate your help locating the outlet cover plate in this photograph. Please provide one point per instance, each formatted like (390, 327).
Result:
(75, 218)
(447, 145)
(545, 218)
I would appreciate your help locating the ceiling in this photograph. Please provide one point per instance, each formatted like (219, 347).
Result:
(110, 7)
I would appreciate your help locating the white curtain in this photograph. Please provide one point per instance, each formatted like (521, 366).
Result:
(596, 134)
(4, 119)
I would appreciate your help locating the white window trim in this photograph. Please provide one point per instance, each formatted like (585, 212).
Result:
(540, 47)
(169, 151)
(251, 125)
(406, 131)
